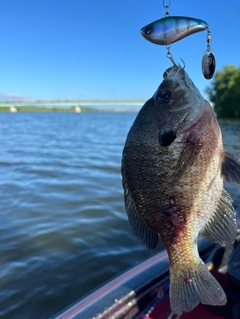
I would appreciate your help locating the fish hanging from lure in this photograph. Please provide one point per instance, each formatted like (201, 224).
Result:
(171, 29)
(173, 166)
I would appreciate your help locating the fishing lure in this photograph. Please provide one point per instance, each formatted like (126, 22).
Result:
(171, 29)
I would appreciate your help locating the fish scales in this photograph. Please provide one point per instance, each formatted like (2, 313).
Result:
(173, 185)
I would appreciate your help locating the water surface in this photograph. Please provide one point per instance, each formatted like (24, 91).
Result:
(63, 227)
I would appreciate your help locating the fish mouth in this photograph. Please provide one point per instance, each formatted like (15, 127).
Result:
(174, 71)
(178, 75)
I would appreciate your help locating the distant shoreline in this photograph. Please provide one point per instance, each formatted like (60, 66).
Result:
(70, 106)
(71, 102)
(63, 110)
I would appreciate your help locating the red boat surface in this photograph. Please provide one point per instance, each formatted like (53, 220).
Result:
(141, 292)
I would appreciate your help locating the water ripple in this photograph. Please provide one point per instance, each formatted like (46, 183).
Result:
(63, 227)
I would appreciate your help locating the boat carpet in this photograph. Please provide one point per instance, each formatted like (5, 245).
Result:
(230, 310)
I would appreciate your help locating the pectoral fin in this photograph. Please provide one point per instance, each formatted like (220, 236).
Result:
(187, 159)
(231, 168)
(140, 228)
(222, 227)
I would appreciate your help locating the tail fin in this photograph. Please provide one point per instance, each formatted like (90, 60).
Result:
(190, 287)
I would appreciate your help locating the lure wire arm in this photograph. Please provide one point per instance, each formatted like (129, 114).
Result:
(166, 6)
(167, 14)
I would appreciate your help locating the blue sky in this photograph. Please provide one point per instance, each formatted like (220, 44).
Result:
(92, 49)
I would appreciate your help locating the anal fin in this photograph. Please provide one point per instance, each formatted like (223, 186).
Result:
(140, 228)
(222, 227)
(231, 168)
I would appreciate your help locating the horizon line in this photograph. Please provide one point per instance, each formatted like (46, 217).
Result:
(69, 100)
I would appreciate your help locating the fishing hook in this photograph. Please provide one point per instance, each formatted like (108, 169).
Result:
(184, 64)
(169, 55)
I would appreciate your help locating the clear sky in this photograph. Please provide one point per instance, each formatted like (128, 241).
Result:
(92, 49)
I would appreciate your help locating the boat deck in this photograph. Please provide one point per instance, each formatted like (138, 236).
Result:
(163, 311)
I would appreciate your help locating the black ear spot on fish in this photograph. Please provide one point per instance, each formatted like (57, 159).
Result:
(163, 96)
(166, 137)
(148, 30)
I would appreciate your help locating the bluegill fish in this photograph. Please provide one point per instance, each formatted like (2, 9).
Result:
(173, 167)
(171, 29)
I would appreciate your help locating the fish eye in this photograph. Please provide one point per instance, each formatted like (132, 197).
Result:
(148, 30)
(164, 96)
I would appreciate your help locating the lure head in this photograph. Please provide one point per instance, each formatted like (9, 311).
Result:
(153, 33)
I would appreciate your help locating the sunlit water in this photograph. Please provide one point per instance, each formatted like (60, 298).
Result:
(63, 228)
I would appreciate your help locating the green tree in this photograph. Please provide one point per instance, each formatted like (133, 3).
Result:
(225, 92)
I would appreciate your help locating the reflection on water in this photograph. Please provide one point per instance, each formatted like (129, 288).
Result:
(63, 227)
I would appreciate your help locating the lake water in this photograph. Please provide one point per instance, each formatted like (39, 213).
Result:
(63, 228)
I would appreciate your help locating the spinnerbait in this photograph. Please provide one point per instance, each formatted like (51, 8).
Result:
(171, 29)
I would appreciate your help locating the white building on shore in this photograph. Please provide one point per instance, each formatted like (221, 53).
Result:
(78, 109)
(13, 109)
